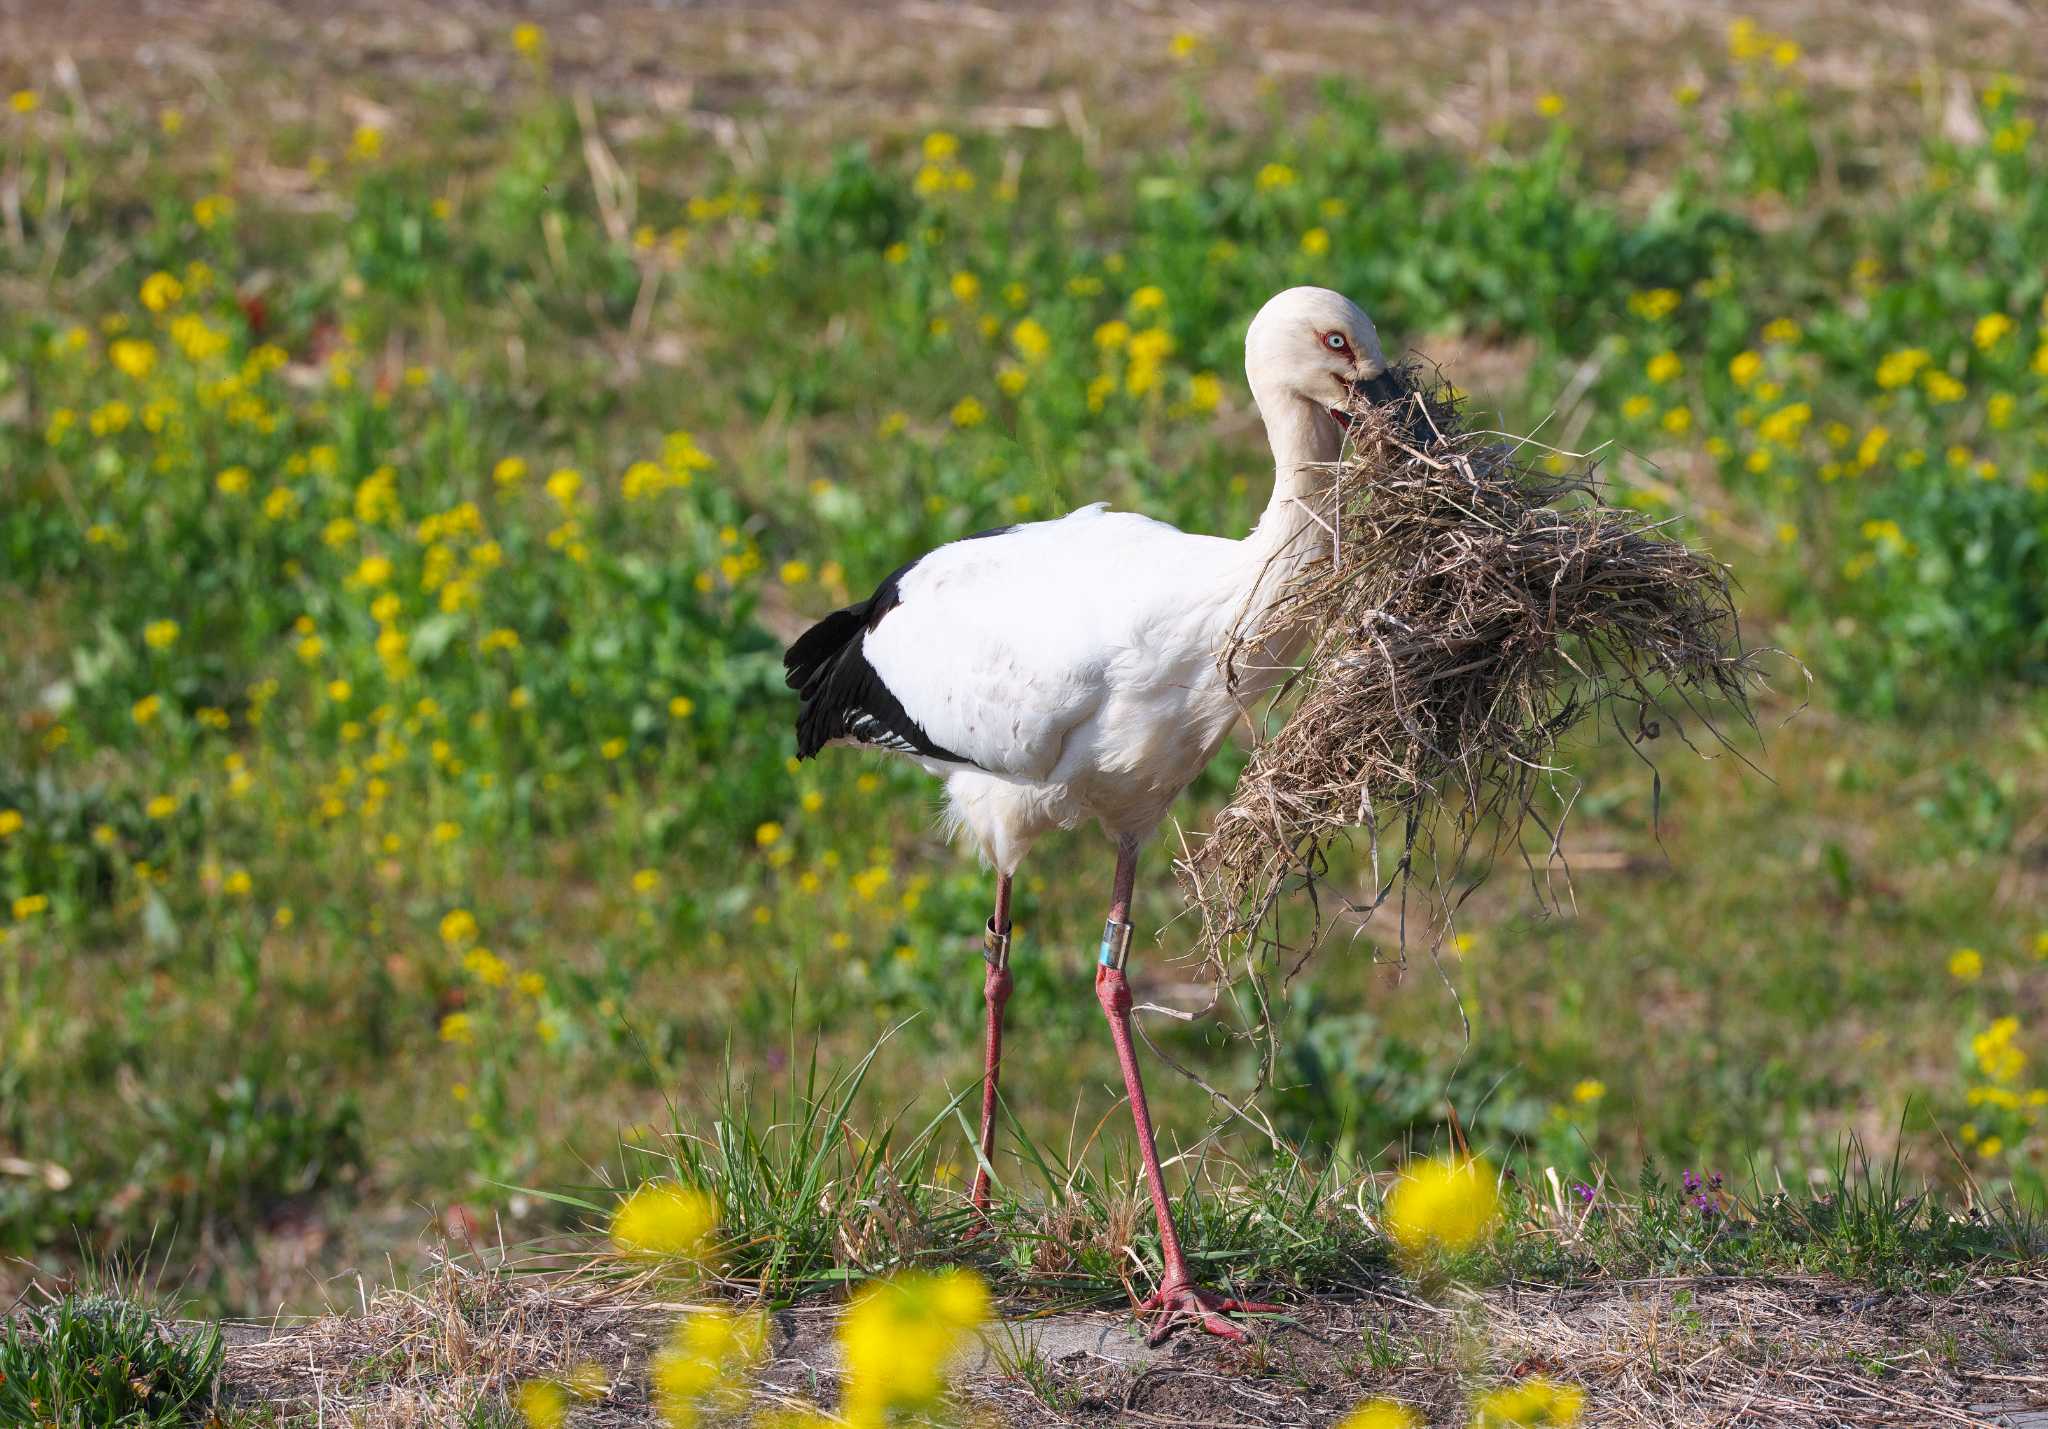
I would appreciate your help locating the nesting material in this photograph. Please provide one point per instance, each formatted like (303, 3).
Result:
(1470, 610)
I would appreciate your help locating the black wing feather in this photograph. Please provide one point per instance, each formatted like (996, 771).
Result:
(841, 695)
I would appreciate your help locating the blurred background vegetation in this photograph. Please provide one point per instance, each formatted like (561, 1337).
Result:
(419, 430)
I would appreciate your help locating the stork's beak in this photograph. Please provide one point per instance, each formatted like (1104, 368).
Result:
(1377, 390)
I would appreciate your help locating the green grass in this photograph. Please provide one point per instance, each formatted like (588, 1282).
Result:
(387, 820)
(102, 1362)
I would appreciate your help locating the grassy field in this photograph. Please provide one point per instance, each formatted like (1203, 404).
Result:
(416, 444)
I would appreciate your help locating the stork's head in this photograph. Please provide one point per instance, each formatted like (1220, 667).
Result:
(1314, 346)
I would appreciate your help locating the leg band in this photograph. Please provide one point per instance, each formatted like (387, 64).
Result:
(995, 947)
(1116, 944)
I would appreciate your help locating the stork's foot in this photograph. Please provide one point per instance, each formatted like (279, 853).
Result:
(1180, 1303)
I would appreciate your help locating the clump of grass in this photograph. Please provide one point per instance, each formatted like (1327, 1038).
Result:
(1471, 610)
(102, 1360)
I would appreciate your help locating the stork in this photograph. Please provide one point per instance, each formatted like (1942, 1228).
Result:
(1067, 670)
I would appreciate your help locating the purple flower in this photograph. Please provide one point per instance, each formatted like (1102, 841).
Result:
(1703, 1205)
(1692, 1182)
(1583, 1191)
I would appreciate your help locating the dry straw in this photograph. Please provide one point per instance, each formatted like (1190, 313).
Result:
(1469, 610)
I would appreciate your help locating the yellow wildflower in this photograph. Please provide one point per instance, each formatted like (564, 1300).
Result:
(529, 39)
(160, 634)
(1550, 106)
(1381, 1414)
(1533, 1401)
(966, 287)
(665, 1220)
(707, 1363)
(768, 835)
(1316, 242)
(967, 412)
(24, 101)
(1442, 1203)
(146, 709)
(1663, 367)
(1274, 176)
(1966, 965)
(1744, 366)
(1990, 330)
(133, 356)
(29, 904)
(899, 1336)
(162, 806)
(458, 1028)
(1592, 1089)
(160, 290)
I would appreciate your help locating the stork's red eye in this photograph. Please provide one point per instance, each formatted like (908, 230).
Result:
(1335, 342)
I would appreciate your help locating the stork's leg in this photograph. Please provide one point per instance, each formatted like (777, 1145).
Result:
(1177, 1300)
(995, 991)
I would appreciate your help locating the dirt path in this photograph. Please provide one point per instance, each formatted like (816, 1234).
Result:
(1676, 1351)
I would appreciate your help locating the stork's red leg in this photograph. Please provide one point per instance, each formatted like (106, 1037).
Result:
(995, 991)
(1178, 1300)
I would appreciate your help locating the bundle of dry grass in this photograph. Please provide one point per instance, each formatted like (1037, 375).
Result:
(1470, 610)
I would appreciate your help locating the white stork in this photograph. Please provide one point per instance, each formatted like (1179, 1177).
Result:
(1067, 670)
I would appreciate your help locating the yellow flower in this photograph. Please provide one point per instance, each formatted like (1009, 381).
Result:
(1441, 1203)
(1899, 368)
(1966, 965)
(1550, 105)
(446, 832)
(794, 572)
(1148, 298)
(1274, 176)
(681, 707)
(899, 1336)
(665, 1220)
(1781, 331)
(967, 412)
(160, 634)
(896, 253)
(1316, 242)
(1589, 1090)
(1637, 407)
(543, 1404)
(339, 690)
(29, 904)
(458, 1028)
(529, 39)
(1678, 420)
(563, 483)
(1183, 45)
(646, 880)
(1990, 1146)
(24, 101)
(1205, 391)
(966, 287)
(612, 748)
(160, 290)
(1990, 331)
(366, 143)
(1031, 339)
(133, 356)
(1112, 335)
(146, 709)
(1686, 95)
(1533, 1401)
(708, 1361)
(1654, 303)
(10, 823)
(238, 884)
(1743, 368)
(1381, 1414)
(531, 984)
(458, 927)
(1996, 1055)
(162, 806)
(768, 835)
(1663, 367)
(940, 147)
(509, 471)
(1942, 389)
(210, 209)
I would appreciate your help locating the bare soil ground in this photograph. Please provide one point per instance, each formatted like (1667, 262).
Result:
(1666, 1351)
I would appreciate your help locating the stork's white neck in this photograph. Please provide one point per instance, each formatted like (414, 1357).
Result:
(1291, 533)
(1305, 441)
